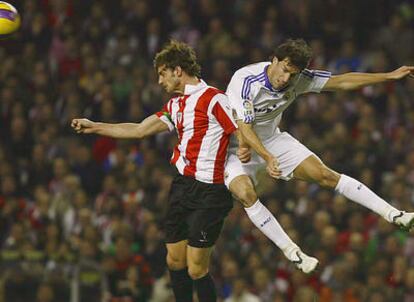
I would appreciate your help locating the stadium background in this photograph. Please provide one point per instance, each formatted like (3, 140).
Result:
(80, 216)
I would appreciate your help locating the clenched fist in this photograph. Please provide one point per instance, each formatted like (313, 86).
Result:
(83, 125)
(244, 154)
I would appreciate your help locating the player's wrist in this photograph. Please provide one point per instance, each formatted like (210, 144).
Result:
(388, 76)
(96, 127)
(268, 157)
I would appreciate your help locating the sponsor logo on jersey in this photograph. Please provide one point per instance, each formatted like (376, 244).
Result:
(270, 108)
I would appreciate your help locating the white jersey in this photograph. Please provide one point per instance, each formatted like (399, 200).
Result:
(254, 100)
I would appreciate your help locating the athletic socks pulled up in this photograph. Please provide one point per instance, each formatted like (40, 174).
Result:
(206, 290)
(264, 220)
(361, 194)
(182, 285)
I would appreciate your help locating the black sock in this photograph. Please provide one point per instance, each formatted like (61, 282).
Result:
(206, 290)
(182, 285)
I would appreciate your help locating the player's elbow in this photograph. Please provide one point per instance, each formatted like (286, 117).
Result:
(140, 135)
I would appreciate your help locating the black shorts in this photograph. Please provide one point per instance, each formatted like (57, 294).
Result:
(196, 211)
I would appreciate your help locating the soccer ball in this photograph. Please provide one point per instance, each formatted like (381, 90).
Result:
(9, 19)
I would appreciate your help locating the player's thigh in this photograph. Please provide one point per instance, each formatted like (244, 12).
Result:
(174, 224)
(243, 190)
(289, 152)
(205, 226)
(177, 255)
(235, 168)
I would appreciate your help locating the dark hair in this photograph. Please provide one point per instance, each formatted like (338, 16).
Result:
(175, 54)
(296, 50)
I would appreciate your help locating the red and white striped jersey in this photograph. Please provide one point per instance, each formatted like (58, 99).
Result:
(203, 120)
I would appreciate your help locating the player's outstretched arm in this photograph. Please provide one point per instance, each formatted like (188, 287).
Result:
(355, 80)
(149, 126)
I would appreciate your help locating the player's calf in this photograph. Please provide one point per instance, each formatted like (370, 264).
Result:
(329, 178)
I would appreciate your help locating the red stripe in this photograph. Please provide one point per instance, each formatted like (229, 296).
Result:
(223, 119)
(220, 159)
(200, 126)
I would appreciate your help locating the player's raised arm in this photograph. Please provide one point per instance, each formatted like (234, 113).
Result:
(149, 126)
(355, 80)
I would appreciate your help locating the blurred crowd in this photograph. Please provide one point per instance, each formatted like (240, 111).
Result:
(81, 216)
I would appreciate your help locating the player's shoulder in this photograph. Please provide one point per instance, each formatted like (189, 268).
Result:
(214, 94)
(214, 90)
(309, 74)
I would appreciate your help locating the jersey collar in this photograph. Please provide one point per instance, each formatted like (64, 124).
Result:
(191, 89)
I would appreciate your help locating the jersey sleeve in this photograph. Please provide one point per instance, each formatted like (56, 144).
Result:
(240, 98)
(314, 80)
(223, 114)
(165, 115)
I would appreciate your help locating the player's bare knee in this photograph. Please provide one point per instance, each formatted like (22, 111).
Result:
(197, 271)
(247, 196)
(175, 263)
(244, 191)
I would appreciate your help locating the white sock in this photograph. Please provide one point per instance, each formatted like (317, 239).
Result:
(264, 220)
(360, 193)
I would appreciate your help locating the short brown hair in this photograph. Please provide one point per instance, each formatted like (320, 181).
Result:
(296, 50)
(175, 54)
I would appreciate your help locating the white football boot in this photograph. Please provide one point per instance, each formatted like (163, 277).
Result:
(404, 220)
(302, 261)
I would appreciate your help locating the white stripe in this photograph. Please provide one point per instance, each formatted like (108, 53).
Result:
(180, 164)
(188, 115)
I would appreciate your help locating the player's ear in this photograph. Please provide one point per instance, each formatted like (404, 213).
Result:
(275, 60)
(178, 71)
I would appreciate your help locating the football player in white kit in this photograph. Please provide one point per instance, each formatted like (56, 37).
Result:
(259, 93)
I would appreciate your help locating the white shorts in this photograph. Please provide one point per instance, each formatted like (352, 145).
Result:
(288, 151)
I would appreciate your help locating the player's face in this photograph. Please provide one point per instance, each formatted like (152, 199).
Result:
(281, 72)
(168, 79)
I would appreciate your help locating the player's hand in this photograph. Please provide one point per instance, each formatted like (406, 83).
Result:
(244, 154)
(83, 125)
(273, 167)
(401, 72)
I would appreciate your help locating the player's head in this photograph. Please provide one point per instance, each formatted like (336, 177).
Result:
(288, 59)
(174, 64)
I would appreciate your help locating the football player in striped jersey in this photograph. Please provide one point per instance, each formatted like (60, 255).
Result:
(198, 201)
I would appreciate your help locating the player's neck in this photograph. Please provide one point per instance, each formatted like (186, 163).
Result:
(188, 80)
